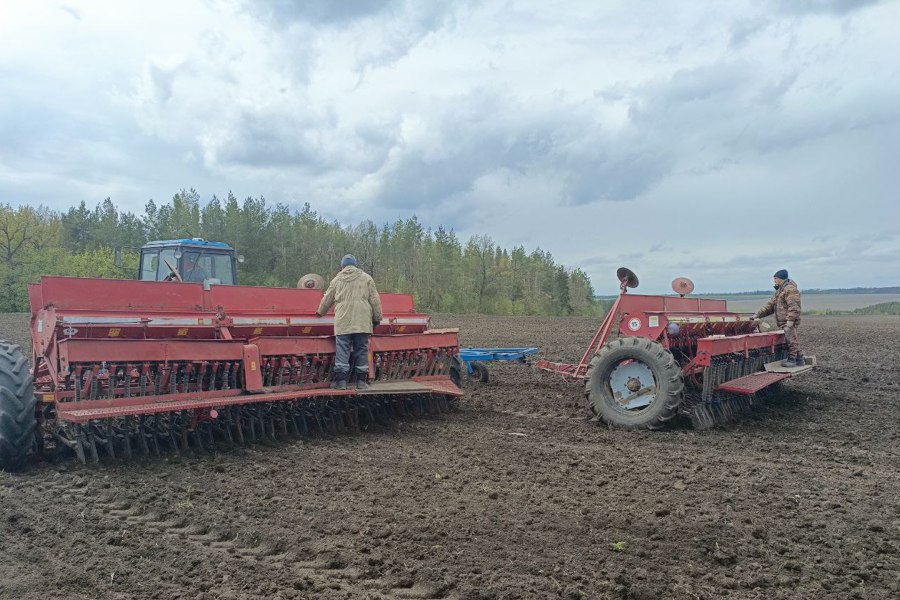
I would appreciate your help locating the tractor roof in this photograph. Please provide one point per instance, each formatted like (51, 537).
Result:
(195, 242)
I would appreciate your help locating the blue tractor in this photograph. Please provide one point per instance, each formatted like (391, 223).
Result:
(189, 260)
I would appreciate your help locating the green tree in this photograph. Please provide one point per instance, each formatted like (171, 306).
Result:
(280, 245)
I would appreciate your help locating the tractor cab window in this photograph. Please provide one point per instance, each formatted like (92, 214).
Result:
(195, 266)
(222, 268)
(149, 266)
(166, 261)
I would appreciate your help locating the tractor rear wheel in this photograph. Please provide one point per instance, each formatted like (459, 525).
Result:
(634, 383)
(17, 404)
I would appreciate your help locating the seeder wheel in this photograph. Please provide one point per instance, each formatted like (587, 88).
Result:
(17, 404)
(480, 372)
(634, 383)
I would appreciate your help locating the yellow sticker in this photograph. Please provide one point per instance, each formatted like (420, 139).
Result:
(252, 365)
(307, 329)
(114, 332)
(257, 331)
(402, 328)
(182, 332)
(49, 398)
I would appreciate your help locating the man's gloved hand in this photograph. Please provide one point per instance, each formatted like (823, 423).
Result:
(318, 315)
(789, 324)
(375, 323)
(754, 318)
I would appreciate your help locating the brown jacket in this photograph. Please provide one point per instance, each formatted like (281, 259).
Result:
(785, 304)
(355, 299)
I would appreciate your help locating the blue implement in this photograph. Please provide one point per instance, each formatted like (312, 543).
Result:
(472, 356)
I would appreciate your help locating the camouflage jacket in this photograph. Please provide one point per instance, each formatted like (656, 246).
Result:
(785, 304)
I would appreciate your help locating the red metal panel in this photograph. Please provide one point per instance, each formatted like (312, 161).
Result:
(738, 343)
(139, 351)
(750, 384)
(293, 346)
(252, 368)
(392, 343)
(716, 346)
(643, 325)
(290, 346)
(92, 294)
(161, 401)
(249, 300)
(82, 416)
(35, 299)
(88, 294)
(259, 300)
(439, 385)
(70, 413)
(670, 304)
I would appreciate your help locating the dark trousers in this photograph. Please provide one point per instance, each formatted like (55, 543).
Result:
(351, 356)
(790, 336)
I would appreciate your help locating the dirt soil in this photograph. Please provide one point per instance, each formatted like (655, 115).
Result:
(515, 495)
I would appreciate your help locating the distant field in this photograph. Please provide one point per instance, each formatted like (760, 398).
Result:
(812, 302)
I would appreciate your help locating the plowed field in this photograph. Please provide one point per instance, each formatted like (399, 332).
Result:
(515, 495)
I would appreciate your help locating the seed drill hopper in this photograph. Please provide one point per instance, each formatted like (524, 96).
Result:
(127, 368)
(676, 355)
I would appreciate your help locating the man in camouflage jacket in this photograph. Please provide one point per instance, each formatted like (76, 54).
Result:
(785, 305)
(357, 311)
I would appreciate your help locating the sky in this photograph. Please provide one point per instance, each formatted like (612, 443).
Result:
(720, 141)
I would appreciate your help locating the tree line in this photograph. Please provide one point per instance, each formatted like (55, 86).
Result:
(443, 272)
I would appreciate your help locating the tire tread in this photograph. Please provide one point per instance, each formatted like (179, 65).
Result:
(17, 406)
(667, 366)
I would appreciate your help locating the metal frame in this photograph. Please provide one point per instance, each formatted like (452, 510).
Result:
(709, 329)
(106, 348)
(470, 355)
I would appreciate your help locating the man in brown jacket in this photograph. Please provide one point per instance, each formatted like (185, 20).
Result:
(357, 311)
(785, 304)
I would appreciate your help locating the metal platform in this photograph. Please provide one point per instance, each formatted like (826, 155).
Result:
(775, 367)
(407, 387)
(425, 385)
(774, 372)
(750, 384)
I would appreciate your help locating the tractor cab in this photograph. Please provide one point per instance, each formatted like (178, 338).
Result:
(190, 260)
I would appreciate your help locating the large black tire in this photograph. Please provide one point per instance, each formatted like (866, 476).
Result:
(666, 387)
(17, 404)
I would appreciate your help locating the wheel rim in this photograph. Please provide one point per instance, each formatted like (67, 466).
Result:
(633, 385)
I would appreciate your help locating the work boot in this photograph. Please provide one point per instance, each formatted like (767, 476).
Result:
(361, 384)
(339, 384)
(790, 363)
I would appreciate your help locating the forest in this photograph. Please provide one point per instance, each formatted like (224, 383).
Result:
(280, 244)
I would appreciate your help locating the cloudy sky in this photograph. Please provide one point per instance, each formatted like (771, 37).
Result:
(715, 140)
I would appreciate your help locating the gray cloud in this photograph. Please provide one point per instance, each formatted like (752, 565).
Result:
(552, 128)
(742, 30)
(614, 173)
(281, 12)
(838, 7)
